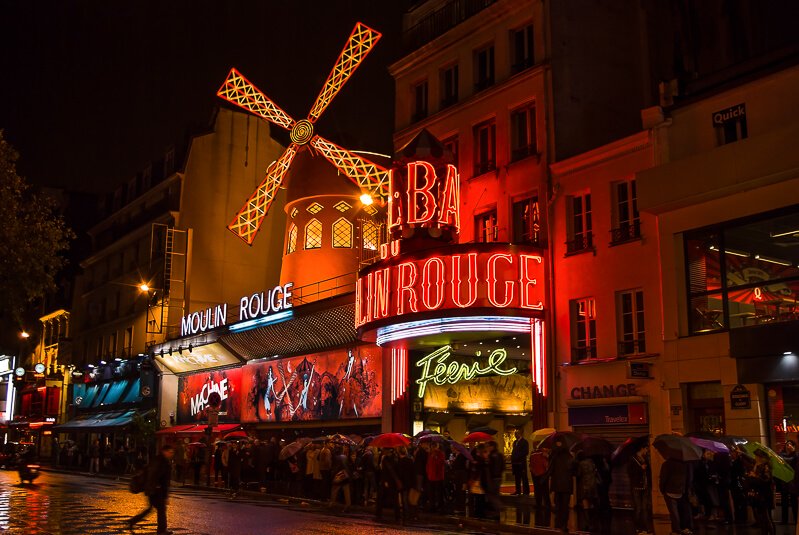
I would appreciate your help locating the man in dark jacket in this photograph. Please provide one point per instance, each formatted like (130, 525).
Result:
(638, 469)
(561, 476)
(675, 481)
(157, 488)
(518, 463)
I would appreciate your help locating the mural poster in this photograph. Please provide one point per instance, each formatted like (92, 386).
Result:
(194, 390)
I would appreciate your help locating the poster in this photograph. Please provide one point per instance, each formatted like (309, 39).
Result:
(332, 385)
(510, 393)
(194, 390)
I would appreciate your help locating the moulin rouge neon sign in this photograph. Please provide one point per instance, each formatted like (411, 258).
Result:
(417, 198)
(436, 368)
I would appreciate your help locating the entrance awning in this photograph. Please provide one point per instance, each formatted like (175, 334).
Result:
(197, 429)
(104, 420)
(174, 429)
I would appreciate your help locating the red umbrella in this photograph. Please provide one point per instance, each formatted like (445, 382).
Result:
(236, 434)
(478, 436)
(390, 440)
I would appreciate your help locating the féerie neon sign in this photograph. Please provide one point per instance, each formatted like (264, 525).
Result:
(436, 368)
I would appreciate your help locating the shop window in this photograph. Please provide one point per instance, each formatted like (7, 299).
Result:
(449, 86)
(53, 402)
(486, 229)
(626, 221)
(630, 312)
(485, 147)
(484, 68)
(291, 244)
(583, 328)
(580, 237)
(371, 235)
(706, 408)
(313, 234)
(522, 134)
(420, 101)
(743, 273)
(522, 49)
(451, 144)
(342, 234)
(527, 221)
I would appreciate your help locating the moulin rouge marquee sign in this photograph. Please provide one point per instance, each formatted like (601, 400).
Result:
(445, 277)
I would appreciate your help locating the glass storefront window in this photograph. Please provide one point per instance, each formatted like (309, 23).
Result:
(742, 274)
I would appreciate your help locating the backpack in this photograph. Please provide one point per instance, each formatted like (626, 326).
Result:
(138, 482)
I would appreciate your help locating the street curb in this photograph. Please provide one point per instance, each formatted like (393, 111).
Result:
(437, 521)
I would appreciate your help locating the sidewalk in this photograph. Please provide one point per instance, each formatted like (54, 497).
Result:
(518, 516)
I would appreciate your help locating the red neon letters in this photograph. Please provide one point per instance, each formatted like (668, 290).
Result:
(417, 198)
(483, 279)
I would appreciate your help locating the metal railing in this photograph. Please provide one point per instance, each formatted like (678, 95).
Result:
(440, 21)
(583, 353)
(627, 231)
(580, 243)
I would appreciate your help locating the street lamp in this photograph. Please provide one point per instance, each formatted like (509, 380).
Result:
(144, 287)
(24, 335)
(367, 199)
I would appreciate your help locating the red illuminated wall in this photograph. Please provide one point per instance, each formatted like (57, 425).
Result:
(321, 386)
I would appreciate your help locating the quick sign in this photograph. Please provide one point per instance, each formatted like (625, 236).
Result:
(250, 307)
(199, 358)
(441, 369)
(733, 113)
(465, 276)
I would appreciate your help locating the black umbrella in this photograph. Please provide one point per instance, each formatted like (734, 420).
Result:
(677, 447)
(628, 448)
(591, 446)
(484, 429)
(567, 439)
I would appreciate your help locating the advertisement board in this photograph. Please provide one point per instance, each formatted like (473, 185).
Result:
(199, 358)
(331, 385)
(194, 390)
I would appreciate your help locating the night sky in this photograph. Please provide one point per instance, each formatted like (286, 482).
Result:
(94, 90)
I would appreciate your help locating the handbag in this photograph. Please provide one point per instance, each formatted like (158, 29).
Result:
(340, 477)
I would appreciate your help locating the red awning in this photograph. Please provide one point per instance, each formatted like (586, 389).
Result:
(200, 429)
(174, 429)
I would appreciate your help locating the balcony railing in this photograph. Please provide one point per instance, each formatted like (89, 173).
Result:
(484, 167)
(583, 353)
(448, 101)
(521, 65)
(626, 232)
(520, 153)
(580, 244)
(440, 21)
(483, 83)
(632, 347)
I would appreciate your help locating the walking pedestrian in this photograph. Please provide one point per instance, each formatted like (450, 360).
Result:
(518, 463)
(760, 492)
(640, 473)
(675, 483)
(561, 476)
(159, 473)
(539, 469)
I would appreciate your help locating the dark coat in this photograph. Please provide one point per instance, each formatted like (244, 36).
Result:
(521, 449)
(675, 477)
(639, 472)
(561, 471)
(158, 476)
(496, 464)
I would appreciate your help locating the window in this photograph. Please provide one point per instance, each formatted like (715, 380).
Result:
(449, 86)
(420, 101)
(630, 311)
(342, 206)
(451, 144)
(342, 234)
(291, 243)
(313, 234)
(580, 236)
(527, 221)
(100, 348)
(127, 349)
(315, 208)
(730, 124)
(743, 273)
(370, 235)
(484, 68)
(522, 135)
(583, 328)
(112, 344)
(485, 226)
(627, 225)
(522, 49)
(485, 147)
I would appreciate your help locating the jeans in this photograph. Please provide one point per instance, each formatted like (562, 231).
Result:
(345, 487)
(679, 512)
(788, 500)
(541, 489)
(642, 507)
(562, 510)
(159, 502)
(520, 475)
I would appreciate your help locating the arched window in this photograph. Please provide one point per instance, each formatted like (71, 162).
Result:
(291, 246)
(342, 233)
(370, 235)
(313, 234)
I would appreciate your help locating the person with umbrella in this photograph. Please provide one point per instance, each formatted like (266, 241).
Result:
(435, 476)
(787, 489)
(738, 470)
(518, 463)
(389, 484)
(675, 484)
(234, 469)
(640, 474)
(342, 475)
(561, 481)
(759, 487)
(539, 469)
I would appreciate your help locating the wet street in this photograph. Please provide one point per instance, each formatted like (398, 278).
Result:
(67, 504)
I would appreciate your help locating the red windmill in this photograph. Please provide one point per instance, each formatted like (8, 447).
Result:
(367, 175)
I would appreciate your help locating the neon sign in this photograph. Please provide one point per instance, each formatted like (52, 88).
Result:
(436, 368)
(484, 276)
(418, 199)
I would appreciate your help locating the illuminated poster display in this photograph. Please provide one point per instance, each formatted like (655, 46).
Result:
(332, 385)
(199, 358)
(194, 390)
(497, 379)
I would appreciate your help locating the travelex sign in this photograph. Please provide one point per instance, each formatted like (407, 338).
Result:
(493, 276)
(253, 306)
(438, 368)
